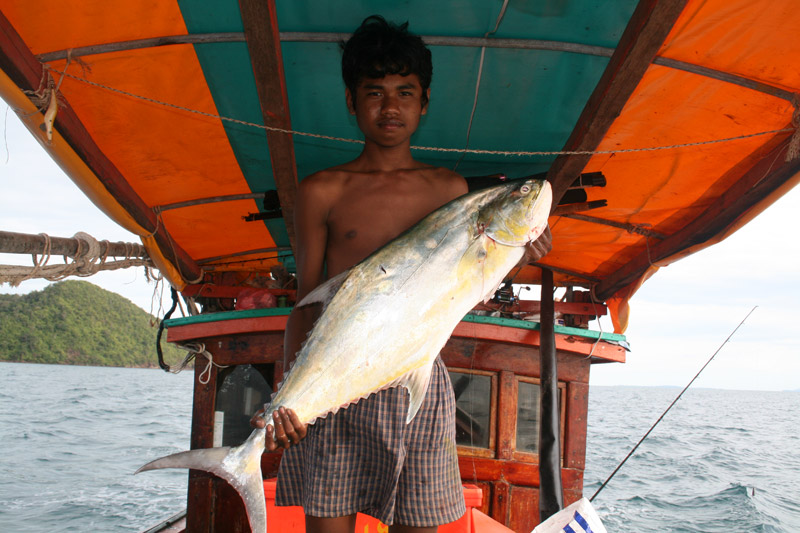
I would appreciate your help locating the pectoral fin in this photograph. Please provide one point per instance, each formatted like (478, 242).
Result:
(417, 384)
(325, 292)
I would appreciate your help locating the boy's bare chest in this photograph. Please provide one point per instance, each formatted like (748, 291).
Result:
(364, 221)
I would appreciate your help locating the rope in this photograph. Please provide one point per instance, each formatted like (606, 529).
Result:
(426, 148)
(195, 349)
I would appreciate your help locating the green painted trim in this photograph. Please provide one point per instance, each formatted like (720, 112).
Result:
(493, 320)
(534, 326)
(227, 315)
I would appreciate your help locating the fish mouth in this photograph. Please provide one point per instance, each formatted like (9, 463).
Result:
(536, 213)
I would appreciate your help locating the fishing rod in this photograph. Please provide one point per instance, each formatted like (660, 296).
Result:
(670, 405)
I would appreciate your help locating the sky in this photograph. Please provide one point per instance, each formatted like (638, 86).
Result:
(679, 318)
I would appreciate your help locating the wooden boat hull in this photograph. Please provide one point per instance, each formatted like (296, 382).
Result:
(501, 353)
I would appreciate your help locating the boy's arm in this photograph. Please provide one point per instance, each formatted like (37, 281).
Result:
(311, 235)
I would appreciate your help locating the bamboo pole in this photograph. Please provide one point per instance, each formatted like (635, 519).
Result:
(24, 243)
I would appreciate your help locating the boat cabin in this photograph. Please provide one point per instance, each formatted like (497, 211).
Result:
(494, 361)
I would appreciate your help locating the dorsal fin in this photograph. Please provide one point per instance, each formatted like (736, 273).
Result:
(324, 293)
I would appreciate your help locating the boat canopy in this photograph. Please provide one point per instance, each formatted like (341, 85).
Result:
(190, 122)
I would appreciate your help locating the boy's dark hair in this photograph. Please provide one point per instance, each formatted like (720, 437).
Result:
(379, 48)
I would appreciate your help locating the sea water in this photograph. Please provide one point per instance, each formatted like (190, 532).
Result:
(71, 438)
(720, 460)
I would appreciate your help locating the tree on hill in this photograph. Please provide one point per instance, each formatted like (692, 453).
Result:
(76, 322)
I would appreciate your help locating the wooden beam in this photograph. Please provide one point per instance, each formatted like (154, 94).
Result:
(17, 61)
(647, 28)
(759, 182)
(264, 43)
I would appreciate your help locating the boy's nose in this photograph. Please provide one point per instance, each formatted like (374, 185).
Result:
(389, 105)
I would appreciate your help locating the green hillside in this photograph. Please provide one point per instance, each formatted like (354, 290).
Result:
(78, 323)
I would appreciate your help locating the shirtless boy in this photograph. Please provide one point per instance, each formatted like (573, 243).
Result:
(365, 458)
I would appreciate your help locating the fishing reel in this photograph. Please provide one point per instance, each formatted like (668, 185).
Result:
(505, 295)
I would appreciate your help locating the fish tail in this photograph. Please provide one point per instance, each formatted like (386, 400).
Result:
(239, 466)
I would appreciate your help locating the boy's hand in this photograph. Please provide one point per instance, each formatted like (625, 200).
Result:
(287, 430)
(537, 249)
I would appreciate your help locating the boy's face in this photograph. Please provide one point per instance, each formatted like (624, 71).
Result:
(388, 109)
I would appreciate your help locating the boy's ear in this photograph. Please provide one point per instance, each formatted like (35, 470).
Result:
(349, 97)
(427, 101)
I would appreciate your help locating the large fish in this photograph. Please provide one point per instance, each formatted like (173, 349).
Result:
(386, 319)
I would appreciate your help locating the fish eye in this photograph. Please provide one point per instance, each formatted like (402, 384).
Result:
(525, 189)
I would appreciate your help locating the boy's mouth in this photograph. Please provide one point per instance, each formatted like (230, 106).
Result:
(390, 124)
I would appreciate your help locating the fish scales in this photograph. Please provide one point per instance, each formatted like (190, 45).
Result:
(388, 318)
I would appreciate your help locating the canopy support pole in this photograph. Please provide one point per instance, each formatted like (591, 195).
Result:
(550, 487)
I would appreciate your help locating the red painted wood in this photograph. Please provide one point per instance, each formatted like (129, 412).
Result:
(564, 343)
(506, 415)
(200, 501)
(577, 417)
(500, 501)
(564, 308)
(523, 508)
(474, 354)
(465, 330)
(221, 328)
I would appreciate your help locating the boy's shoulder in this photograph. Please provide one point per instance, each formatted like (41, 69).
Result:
(446, 179)
(323, 181)
(332, 182)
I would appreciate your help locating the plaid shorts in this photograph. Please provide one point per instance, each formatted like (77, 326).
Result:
(367, 459)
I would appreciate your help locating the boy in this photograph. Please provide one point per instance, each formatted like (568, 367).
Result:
(365, 458)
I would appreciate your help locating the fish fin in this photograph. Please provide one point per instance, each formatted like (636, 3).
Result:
(417, 384)
(325, 292)
(239, 466)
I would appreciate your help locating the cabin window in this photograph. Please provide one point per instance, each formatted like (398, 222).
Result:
(528, 396)
(474, 392)
(242, 392)
(528, 417)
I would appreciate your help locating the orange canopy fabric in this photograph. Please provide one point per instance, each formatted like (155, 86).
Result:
(162, 111)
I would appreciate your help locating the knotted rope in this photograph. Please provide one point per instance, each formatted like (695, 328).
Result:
(195, 349)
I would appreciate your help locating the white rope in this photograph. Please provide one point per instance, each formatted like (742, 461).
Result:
(195, 349)
(508, 153)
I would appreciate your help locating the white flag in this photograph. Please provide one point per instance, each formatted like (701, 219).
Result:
(580, 517)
